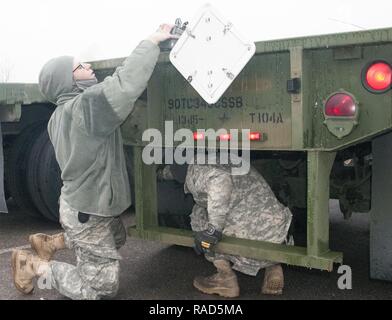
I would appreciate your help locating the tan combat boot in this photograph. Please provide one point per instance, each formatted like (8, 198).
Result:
(25, 267)
(45, 246)
(223, 283)
(273, 280)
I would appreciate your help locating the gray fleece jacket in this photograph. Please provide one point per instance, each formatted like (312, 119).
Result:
(86, 136)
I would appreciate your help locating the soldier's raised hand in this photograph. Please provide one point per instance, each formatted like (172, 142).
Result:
(162, 34)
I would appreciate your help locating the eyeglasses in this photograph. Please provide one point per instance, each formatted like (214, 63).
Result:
(80, 66)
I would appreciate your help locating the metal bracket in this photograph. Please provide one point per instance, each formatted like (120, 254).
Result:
(189, 33)
(227, 27)
(229, 74)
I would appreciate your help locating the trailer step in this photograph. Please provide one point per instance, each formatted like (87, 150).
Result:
(291, 255)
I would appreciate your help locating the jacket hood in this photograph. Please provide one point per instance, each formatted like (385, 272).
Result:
(56, 79)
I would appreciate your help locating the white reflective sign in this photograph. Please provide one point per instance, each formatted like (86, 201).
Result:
(211, 53)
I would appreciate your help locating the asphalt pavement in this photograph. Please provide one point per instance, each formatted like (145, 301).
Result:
(151, 270)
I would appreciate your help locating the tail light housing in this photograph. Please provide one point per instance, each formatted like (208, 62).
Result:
(341, 104)
(341, 113)
(377, 76)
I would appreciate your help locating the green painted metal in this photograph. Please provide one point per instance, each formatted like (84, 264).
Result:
(145, 192)
(291, 255)
(329, 75)
(257, 100)
(316, 255)
(290, 121)
(319, 168)
(20, 93)
(325, 64)
(297, 111)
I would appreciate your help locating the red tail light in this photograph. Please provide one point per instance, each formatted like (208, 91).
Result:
(340, 105)
(198, 136)
(225, 137)
(254, 136)
(377, 77)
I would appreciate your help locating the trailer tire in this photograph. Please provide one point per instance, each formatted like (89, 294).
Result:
(16, 168)
(42, 181)
(34, 164)
(49, 180)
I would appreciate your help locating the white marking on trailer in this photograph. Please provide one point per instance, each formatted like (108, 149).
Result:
(2, 251)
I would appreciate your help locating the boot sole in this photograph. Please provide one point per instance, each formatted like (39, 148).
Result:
(13, 263)
(274, 292)
(223, 291)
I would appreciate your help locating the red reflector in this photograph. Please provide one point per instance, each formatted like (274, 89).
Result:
(198, 136)
(340, 105)
(225, 137)
(254, 136)
(378, 77)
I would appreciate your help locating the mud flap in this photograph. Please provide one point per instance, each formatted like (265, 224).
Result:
(3, 204)
(381, 211)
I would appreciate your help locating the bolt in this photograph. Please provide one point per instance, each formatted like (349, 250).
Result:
(209, 38)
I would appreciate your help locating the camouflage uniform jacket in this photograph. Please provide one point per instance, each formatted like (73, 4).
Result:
(241, 206)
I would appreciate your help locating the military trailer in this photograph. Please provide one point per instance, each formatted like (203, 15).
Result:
(319, 110)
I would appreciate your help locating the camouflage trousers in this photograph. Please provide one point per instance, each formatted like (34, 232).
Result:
(95, 242)
(199, 222)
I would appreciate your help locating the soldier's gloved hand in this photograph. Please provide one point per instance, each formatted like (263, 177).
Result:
(162, 34)
(206, 239)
